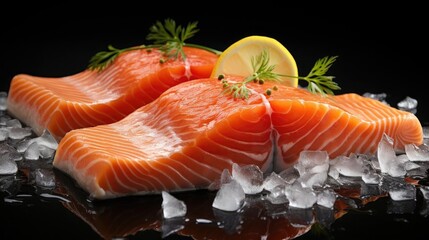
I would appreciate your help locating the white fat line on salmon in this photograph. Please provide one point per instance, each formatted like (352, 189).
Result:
(188, 72)
(317, 132)
(275, 155)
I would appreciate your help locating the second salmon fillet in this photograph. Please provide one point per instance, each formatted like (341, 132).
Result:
(185, 138)
(91, 98)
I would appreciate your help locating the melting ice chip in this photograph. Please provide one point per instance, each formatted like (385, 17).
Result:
(300, 197)
(272, 181)
(225, 177)
(172, 207)
(44, 177)
(389, 162)
(351, 166)
(230, 196)
(399, 190)
(13, 123)
(4, 134)
(313, 168)
(310, 180)
(250, 177)
(371, 177)
(408, 103)
(7, 165)
(312, 162)
(289, 175)
(277, 195)
(17, 133)
(32, 152)
(326, 198)
(417, 153)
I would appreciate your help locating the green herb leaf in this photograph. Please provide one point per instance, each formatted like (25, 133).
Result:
(167, 37)
(171, 37)
(318, 83)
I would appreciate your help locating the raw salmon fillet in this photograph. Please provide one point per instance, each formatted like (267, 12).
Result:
(90, 98)
(185, 138)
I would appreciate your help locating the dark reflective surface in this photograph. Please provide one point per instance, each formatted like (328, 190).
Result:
(375, 55)
(360, 211)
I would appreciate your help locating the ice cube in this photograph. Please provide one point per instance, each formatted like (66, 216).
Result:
(225, 177)
(411, 166)
(417, 153)
(7, 165)
(312, 162)
(17, 133)
(289, 175)
(230, 196)
(171, 206)
(13, 123)
(326, 198)
(300, 197)
(4, 134)
(371, 177)
(5, 148)
(277, 195)
(333, 173)
(387, 158)
(46, 152)
(250, 177)
(310, 180)
(402, 192)
(47, 140)
(272, 181)
(408, 103)
(32, 152)
(44, 177)
(349, 166)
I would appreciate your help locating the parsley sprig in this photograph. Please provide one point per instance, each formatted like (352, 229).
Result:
(168, 37)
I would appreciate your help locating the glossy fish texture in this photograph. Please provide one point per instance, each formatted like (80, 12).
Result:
(185, 138)
(90, 98)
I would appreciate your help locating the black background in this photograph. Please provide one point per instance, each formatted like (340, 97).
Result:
(379, 50)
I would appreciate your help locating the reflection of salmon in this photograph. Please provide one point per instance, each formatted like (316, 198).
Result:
(126, 217)
(185, 138)
(90, 98)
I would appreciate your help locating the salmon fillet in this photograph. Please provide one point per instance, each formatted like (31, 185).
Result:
(91, 98)
(185, 138)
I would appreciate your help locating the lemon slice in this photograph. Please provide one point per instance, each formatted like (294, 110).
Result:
(236, 59)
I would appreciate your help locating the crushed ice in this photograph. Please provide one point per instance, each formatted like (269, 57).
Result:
(309, 182)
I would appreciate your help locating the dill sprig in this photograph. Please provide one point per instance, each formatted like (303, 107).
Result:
(318, 83)
(316, 79)
(168, 37)
(262, 72)
(171, 38)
